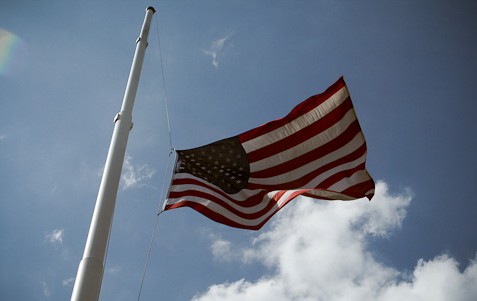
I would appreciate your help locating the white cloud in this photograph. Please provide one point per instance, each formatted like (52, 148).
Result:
(53, 190)
(45, 289)
(68, 282)
(56, 236)
(223, 250)
(216, 50)
(115, 270)
(436, 279)
(318, 250)
(132, 175)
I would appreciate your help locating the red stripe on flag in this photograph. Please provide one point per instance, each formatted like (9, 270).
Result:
(301, 109)
(299, 183)
(311, 156)
(357, 190)
(224, 205)
(221, 218)
(302, 135)
(244, 202)
(341, 175)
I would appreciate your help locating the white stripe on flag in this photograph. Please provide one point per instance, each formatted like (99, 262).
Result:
(358, 177)
(236, 205)
(300, 149)
(291, 175)
(348, 165)
(299, 123)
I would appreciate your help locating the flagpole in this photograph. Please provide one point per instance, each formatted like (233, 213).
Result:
(90, 271)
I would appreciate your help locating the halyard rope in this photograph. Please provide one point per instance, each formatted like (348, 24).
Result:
(172, 151)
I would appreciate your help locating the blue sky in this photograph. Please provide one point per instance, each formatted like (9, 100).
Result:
(230, 66)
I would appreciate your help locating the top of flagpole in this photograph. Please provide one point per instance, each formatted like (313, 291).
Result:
(151, 8)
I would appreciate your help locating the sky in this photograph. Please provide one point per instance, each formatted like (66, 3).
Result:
(230, 66)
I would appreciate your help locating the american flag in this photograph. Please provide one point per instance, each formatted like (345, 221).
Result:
(317, 150)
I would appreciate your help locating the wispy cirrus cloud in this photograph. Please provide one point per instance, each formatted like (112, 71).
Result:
(45, 289)
(217, 49)
(115, 270)
(134, 175)
(68, 281)
(55, 237)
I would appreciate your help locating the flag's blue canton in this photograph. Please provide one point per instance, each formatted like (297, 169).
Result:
(223, 163)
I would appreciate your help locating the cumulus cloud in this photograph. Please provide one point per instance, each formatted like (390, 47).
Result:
(319, 251)
(134, 175)
(221, 249)
(216, 49)
(224, 250)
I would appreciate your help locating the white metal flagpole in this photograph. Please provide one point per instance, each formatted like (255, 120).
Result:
(90, 270)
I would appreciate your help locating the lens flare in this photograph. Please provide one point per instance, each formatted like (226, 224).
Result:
(13, 54)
